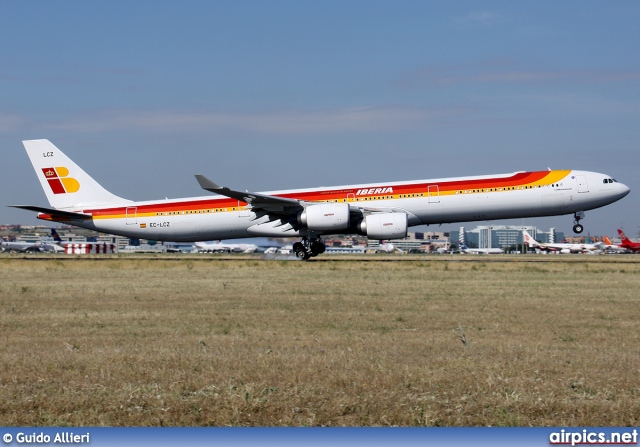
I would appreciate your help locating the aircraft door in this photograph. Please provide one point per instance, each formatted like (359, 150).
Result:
(582, 183)
(351, 197)
(132, 215)
(244, 212)
(433, 192)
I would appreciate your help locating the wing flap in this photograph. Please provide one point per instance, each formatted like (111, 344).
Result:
(255, 200)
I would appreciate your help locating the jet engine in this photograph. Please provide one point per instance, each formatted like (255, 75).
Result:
(385, 226)
(325, 217)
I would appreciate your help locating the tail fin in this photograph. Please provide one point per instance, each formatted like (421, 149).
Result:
(55, 235)
(607, 240)
(65, 183)
(623, 237)
(531, 242)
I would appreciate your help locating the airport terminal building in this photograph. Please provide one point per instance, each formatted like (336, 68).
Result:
(502, 236)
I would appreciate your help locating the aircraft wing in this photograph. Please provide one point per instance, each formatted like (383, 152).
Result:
(275, 204)
(257, 201)
(53, 212)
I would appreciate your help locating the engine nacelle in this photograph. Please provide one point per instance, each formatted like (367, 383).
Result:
(325, 217)
(385, 226)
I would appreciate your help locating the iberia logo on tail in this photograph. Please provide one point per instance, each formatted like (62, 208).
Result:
(59, 180)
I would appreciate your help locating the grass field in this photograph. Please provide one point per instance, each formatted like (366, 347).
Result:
(436, 341)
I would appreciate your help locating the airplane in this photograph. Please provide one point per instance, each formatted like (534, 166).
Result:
(627, 243)
(29, 247)
(58, 245)
(561, 247)
(611, 247)
(377, 210)
(284, 250)
(484, 251)
(20, 246)
(281, 250)
(205, 247)
(57, 239)
(356, 249)
(386, 247)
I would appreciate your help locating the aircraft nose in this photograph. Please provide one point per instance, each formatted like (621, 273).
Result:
(623, 190)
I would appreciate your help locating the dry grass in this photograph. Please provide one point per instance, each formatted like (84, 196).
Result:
(195, 342)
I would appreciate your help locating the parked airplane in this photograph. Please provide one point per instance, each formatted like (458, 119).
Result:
(217, 247)
(611, 247)
(285, 250)
(58, 244)
(386, 247)
(29, 247)
(561, 247)
(378, 211)
(627, 243)
(20, 246)
(476, 251)
(57, 239)
(359, 249)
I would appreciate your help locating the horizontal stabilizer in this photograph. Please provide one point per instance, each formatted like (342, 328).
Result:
(53, 212)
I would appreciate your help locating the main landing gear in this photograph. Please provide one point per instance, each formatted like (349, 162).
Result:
(577, 228)
(309, 247)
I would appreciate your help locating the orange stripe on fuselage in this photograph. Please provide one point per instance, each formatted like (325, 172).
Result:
(445, 188)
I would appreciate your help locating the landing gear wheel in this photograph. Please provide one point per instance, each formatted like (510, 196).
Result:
(577, 228)
(317, 248)
(308, 247)
(301, 253)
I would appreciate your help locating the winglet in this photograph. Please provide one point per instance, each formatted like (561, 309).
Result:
(210, 186)
(207, 184)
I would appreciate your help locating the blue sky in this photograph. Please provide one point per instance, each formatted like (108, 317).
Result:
(288, 94)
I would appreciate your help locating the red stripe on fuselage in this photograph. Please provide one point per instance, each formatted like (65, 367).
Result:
(518, 179)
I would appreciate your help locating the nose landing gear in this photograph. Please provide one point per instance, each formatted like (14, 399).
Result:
(308, 247)
(577, 228)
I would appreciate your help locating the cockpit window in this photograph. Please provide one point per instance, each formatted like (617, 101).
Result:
(609, 180)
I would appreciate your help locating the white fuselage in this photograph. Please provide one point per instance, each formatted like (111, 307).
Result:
(517, 195)
(570, 248)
